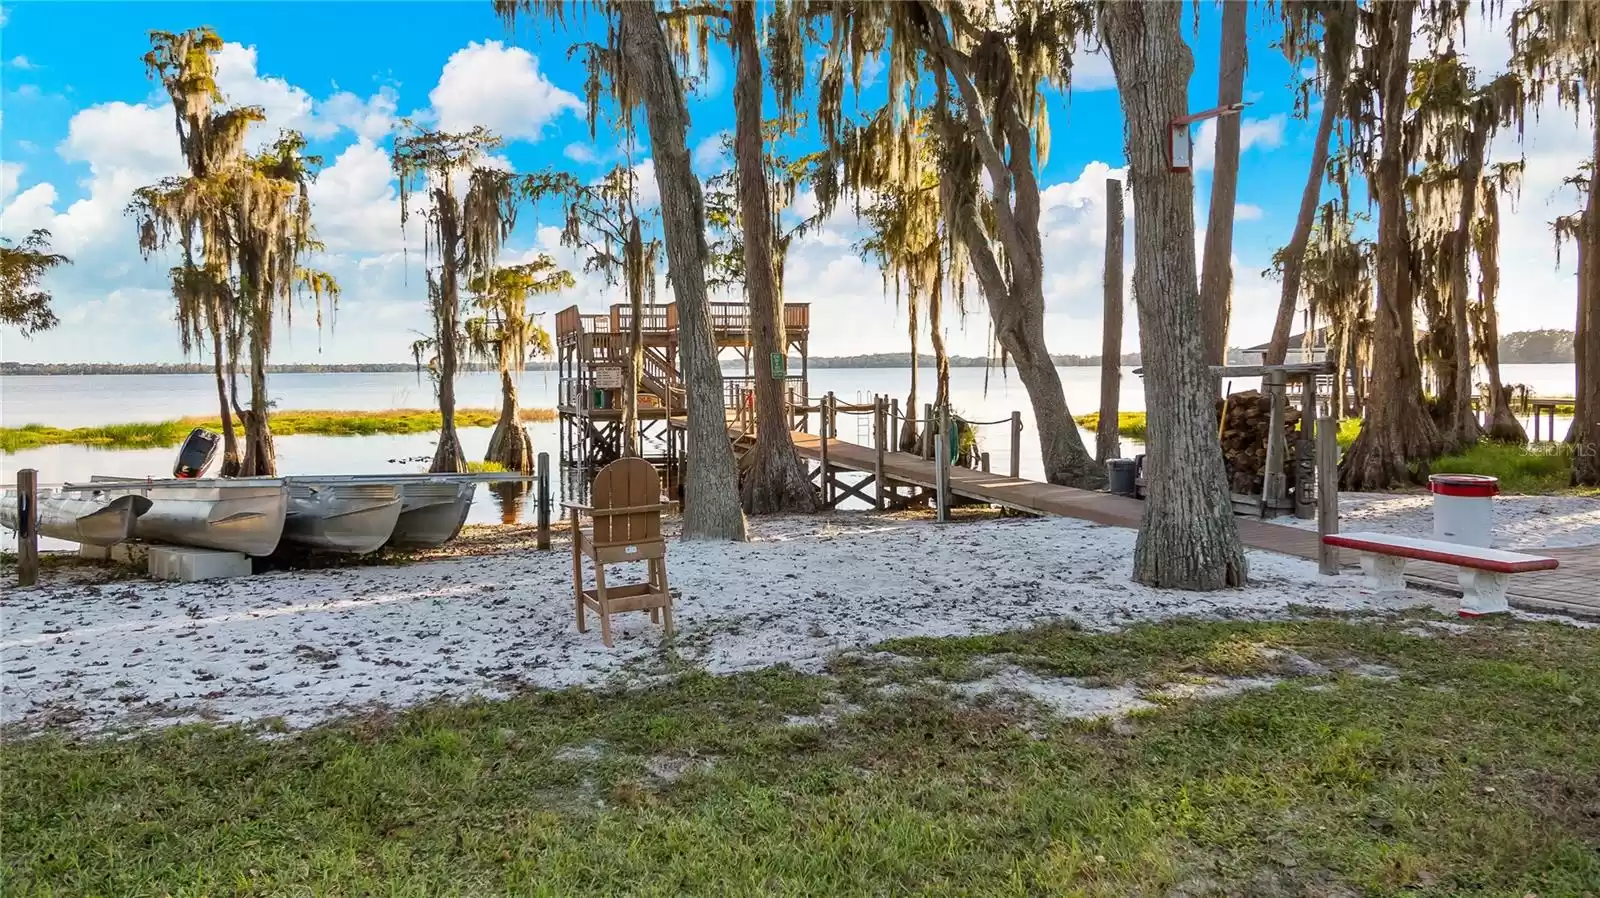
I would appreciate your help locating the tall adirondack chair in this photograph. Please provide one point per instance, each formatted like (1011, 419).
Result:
(626, 511)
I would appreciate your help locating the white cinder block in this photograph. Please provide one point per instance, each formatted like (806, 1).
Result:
(187, 565)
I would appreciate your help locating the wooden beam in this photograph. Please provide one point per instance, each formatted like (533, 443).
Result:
(1261, 370)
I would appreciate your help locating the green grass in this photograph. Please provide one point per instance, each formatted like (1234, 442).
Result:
(1538, 469)
(285, 423)
(1475, 772)
(1129, 424)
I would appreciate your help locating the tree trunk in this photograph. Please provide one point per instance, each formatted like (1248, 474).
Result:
(777, 481)
(908, 429)
(630, 383)
(711, 493)
(1438, 347)
(1397, 431)
(260, 457)
(509, 446)
(1463, 421)
(1187, 538)
(941, 358)
(1014, 292)
(1503, 423)
(1108, 441)
(1585, 434)
(231, 463)
(1216, 278)
(1294, 255)
(448, 457)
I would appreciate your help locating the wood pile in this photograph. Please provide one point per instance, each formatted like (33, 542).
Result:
(1244, 438)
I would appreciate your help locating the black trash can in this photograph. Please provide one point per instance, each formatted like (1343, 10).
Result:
(1123, 472)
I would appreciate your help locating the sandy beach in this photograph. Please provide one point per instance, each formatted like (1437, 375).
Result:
(306, 646)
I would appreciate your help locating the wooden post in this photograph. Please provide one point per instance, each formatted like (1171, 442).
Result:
(927, 429)
(1272, 486)
(28, 527)
(544, 499)
(1016, 445)
(1305, 473)
(1107, 441)
(941, 469)
(822, 428)
(1327, 493)
(831, 408)
(983, 462)
(880, 439)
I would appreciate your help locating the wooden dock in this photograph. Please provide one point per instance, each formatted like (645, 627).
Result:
(1569, 589)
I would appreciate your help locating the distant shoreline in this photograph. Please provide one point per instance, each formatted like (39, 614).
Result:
(892, 360)
(887, 360)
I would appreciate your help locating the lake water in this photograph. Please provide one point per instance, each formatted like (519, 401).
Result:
(79, 401)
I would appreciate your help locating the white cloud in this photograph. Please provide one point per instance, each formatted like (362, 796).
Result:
(21, 62)
(1091, 69)
(370, 119)
(646, 191)
(355, 204)
(500, 88)
(10, 175)
(122, 299)
(1247, 212)
(710, 154)
(581, 153)
(286, 105)
(121, 136)
(290, 106)
(1266, 133)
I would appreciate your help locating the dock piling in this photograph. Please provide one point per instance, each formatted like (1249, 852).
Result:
(880, 440)
(941, 469)
(1016, 445)
(28, 524)
(544, 501)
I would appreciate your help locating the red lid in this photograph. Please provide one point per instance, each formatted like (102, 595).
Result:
(1473, 486)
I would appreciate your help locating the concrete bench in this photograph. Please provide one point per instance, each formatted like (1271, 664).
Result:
(1482, 573)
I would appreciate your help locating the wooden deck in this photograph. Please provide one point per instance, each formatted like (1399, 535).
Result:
(1573, 588)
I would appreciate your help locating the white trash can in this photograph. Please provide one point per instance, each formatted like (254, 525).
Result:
(1463, 508)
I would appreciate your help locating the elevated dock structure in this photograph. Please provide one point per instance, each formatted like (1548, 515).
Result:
(592, 357)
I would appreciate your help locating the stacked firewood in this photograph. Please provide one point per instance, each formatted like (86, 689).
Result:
(1244, 438)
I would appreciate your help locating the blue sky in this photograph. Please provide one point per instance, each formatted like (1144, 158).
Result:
(82, 126)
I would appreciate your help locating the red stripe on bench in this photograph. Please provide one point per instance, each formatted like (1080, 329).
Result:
(1498, 567)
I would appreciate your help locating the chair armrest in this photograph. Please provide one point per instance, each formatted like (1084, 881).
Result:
(628, 509)
(575, 506)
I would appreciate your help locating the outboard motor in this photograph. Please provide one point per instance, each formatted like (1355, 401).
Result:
(196, 453)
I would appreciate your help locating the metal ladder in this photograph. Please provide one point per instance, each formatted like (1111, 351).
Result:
(864, 434)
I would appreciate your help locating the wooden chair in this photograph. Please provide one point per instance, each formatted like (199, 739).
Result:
(626, 508)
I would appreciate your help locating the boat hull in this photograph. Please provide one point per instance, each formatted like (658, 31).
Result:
(92, 520)
(433, 507)
(432, 514)
(352, 518)
(245, 516)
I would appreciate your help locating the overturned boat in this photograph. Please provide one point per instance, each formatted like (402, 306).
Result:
(433, 507)
(341, 515)
(92, 519)
(247, 515)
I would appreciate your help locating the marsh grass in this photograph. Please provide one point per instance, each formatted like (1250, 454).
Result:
(285, 423)
(1129, 424)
